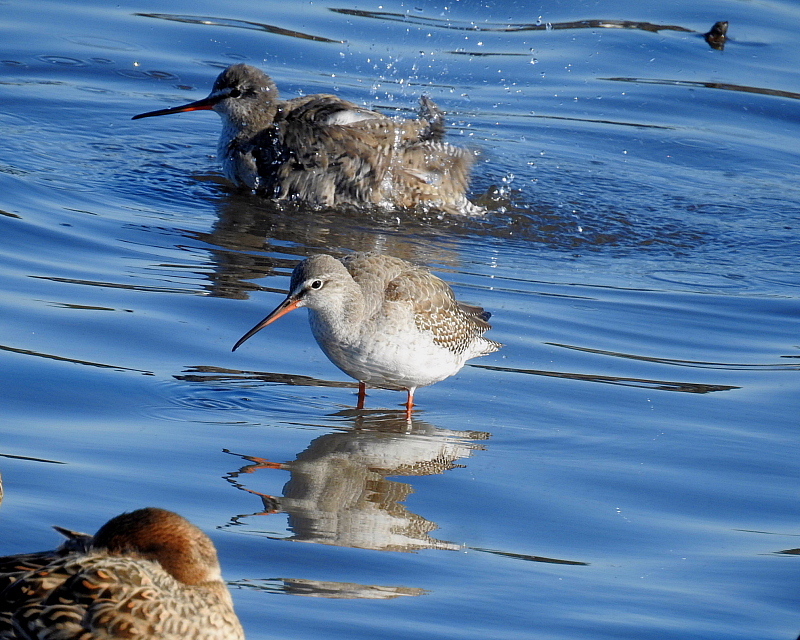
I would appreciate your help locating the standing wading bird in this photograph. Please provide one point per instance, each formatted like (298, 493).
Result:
(326, 151)
(149, 575)
(384, 321)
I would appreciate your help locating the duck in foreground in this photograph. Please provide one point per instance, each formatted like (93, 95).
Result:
(149, 574)
(384, 321)
(326, 151)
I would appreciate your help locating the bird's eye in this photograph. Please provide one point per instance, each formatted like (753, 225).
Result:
(235, 93)
(316, 284)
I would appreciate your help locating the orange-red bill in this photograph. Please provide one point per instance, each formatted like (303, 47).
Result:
(285, 307)
(206, 104)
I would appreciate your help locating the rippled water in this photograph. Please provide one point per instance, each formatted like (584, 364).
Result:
(626, 467)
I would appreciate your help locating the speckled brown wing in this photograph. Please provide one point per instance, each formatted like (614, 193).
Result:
(434, 116)
(459, 329)
(341, 153)
(436, 173)
(329, 163)
(373, 271)
(430, 171)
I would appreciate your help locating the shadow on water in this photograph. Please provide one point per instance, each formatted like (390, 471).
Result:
(209, 374)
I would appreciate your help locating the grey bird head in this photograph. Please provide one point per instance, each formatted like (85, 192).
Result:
(239, 94)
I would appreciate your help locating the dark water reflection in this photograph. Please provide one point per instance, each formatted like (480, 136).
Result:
(440, 23)
(723, 86)
(51, 356)
(659, 385)
(250, 235)
(237, 24)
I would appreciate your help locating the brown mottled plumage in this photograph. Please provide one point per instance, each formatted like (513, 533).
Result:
(384, 321)
(327, 151)
(149, 574)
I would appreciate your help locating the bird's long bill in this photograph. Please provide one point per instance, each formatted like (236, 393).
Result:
(206, 104)
(290, 304)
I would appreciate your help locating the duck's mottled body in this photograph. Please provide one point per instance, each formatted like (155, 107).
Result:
(148, 575)
(385, 322)
(327, 151)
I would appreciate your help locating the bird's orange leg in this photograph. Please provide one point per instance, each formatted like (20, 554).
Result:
(410, 403)
(362, 395)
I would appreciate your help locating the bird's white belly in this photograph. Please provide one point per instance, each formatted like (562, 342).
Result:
(383, 358)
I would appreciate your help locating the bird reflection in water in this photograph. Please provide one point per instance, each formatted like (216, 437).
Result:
(338, 492)
(328, 589)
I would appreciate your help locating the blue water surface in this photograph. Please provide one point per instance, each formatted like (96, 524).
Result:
(625, 467)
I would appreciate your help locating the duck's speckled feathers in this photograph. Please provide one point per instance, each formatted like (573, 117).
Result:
(148, 575)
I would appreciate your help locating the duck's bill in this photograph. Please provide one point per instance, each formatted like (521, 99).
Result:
(290, 304)
(206, 104)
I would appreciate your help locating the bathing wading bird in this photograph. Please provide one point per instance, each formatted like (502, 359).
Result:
(326, 151)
